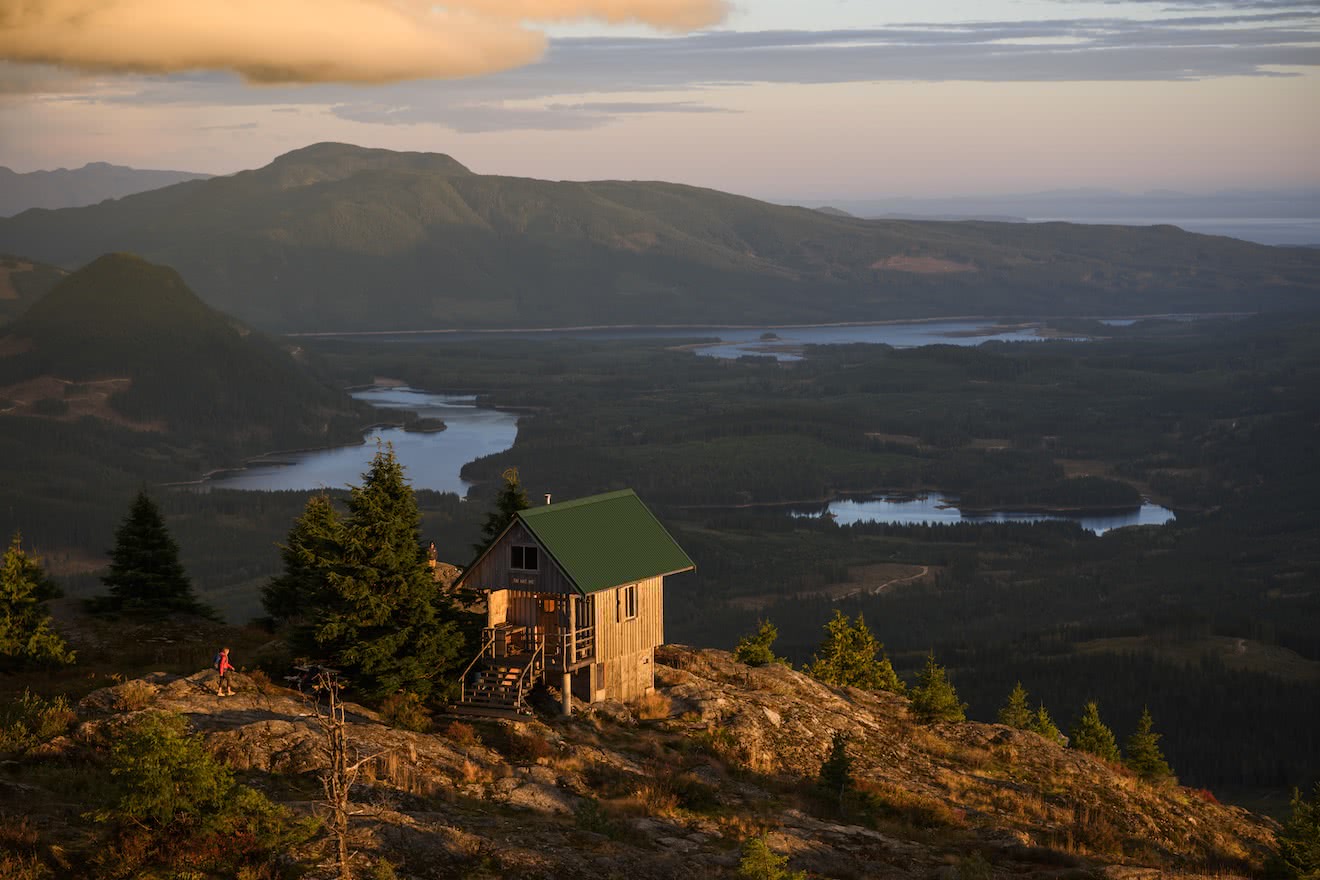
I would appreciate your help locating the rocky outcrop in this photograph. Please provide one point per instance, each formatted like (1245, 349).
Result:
(673, 786)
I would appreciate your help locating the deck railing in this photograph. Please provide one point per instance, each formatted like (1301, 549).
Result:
(487, 649)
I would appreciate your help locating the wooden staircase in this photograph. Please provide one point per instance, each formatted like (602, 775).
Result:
(497, 687)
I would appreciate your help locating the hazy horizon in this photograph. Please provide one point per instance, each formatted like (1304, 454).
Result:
(768, 99)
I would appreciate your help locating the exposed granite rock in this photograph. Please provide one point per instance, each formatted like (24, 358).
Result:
(605, 794)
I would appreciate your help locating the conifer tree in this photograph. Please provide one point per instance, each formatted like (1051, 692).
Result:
(145, 572)
(851, 656)
(836, 779)
(294, 596)
(1298, 855)
(1043, 724)
(759, 862)
(1143, 751)
(1016, 712)
(26, 634)
(934, 698)
(384, 622)
(511, 499)
(758, 649)
(1089, 734)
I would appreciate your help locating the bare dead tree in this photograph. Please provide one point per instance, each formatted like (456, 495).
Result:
(321, 689)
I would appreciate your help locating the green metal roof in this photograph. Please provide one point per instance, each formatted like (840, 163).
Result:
(605, 540)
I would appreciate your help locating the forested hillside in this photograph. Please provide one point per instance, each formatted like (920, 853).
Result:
(22, 282)
(335, 237)
(120, 375)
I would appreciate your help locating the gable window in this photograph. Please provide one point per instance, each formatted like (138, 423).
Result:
(523, 558)
(627, 602)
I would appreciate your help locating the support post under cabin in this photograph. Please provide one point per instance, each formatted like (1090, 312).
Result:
(568, 693)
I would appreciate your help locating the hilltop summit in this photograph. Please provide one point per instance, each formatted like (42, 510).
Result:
(125, 340)
(722, 753)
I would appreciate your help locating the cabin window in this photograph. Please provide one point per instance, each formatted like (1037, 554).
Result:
(523, 558)
(628, 602)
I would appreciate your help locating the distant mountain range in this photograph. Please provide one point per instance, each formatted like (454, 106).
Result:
(92, 183)
(334, 237)
(1097, 203)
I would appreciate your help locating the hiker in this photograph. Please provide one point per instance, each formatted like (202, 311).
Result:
(222, 665)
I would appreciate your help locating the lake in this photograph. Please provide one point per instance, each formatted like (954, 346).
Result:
(787, 346)
(734, 342)
(432, 460)
(936, 508)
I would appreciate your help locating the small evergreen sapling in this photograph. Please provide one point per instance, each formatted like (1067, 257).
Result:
(1143, 751)
(26, 635)
(836, 778)
(758, 649)
(1043, 724)
(759, 862)
(1089, 734)
(850, 656)
(1298, 855)
(934, 698)
(1016, 712)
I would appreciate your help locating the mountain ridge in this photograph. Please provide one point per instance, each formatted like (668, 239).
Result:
(334, 237)
(74, 187)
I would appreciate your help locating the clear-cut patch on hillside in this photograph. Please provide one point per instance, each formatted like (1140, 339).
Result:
(922, 265)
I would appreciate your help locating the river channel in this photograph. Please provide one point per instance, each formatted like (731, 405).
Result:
(432, 460)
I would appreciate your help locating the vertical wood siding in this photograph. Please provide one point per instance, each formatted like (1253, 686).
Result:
(495, 573)
(626, 648)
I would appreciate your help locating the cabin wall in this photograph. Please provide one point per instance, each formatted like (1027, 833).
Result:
(497, 608)
(625, 649)
(494, 572)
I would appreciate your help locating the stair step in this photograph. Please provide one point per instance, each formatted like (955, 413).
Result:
(487, 712)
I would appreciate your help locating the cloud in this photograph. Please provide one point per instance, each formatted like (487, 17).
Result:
(469, 118)
(584, 82)
(309, 41)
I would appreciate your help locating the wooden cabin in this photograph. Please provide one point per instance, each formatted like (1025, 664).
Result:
(574, 590)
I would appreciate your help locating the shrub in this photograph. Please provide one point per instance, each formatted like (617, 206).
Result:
(462, 734)
(176, 806)
(759, 862)
(133, 695)
(591, 816)
(404, 709)
(756, 649)
(524, 748)
(973, 867)
(31, 720)
(654, 706)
